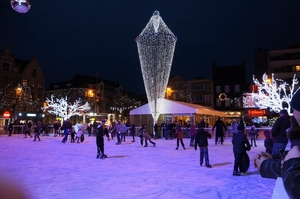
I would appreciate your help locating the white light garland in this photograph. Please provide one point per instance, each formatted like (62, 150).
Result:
(61, 107)
(272, 95)
(156, 46)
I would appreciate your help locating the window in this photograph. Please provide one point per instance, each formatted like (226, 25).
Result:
(208, 99)
(40, 85)
(227, 89)
(218, 89)
(14, 80)
(227, 103)
(24, 82)
(33, 73)
(40, 96)
(237, 88)
(5, 79)
(32, 84)
(297, 68)
(5, 66)
(218, 103)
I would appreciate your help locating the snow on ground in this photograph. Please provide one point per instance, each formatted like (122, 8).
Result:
(51, 169)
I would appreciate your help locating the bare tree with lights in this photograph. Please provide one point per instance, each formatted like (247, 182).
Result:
(62, 108)
(20, 99)
(274, 94)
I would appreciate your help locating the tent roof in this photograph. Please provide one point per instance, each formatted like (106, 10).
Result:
(177, 108)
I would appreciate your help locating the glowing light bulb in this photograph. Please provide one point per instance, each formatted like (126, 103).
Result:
(20, 6)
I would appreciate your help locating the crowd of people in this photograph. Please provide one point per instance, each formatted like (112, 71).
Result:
(281, 157)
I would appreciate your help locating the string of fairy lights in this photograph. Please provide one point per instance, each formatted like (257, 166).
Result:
(156, 46)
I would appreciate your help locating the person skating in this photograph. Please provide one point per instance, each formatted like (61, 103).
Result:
(142, 133)
(78, 135)
(179, 136)
(37, 131)
(132, 131)
(240, 146)
(100, 140)
(67, 126)
(148, 137)
(219, 125)
(202, 142)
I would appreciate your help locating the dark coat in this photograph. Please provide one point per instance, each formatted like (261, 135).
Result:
(219, 125)
(240, 143)
(99, 138)
(201, 138)
(270, 168)
(268, 143)
(279, 129)
(290, 176)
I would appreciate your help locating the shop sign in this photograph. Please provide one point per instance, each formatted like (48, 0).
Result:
(6, 114)
(256, 112)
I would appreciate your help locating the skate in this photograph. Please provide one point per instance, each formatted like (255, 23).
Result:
(208, 165)
(98, 156)
(103, 156)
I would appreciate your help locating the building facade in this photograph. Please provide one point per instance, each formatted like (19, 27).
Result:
(99, 93)
(22, 87)
(229, 84)
(283, 63)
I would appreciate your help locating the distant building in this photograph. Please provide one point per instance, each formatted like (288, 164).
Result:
(99, 93)
(21, 89)
(229, 84)
(200, 91)
(176, 89)
(22, 82)
(284, 63)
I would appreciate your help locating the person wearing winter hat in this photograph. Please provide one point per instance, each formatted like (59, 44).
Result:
(240, 146)
(291, 165)
(279, 131)
(100, 140)
(202, 142)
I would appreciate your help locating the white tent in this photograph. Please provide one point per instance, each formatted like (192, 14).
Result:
(178, 108)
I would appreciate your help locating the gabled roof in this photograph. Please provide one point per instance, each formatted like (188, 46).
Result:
(177, 108)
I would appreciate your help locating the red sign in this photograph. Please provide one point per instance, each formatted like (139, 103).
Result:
(256, 112)
(6, 114)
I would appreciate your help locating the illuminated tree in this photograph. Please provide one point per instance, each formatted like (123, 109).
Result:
(274, 94)
(62, 108)
(156, 46)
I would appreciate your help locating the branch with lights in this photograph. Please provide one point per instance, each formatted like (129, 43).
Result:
(275, 94)
(62, 108)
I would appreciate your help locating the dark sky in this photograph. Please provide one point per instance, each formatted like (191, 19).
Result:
(70, 37)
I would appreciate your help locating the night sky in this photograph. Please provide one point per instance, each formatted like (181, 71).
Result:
(90, 37)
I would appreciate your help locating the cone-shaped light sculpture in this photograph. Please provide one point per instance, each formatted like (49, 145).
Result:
(156, 46)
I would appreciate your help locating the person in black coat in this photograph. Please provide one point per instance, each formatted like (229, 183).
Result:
(100, 140)
(132, 131)
(279, 131)
(240, 146)
(291, 166)
(201, 141)
(219, 125)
